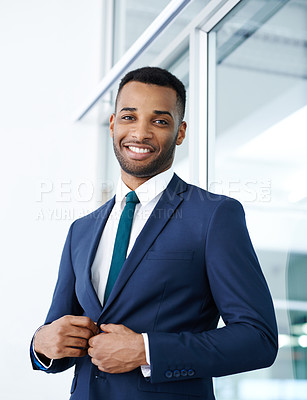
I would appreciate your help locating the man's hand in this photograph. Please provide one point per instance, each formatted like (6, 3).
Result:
(117, 349)
(66, 337)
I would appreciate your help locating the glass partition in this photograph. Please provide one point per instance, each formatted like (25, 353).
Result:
(259, 156)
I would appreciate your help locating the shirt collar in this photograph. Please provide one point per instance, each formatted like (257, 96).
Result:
(148, 190)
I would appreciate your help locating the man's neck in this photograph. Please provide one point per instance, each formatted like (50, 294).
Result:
(133, 182)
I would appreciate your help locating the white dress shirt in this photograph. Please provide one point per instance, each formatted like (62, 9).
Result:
(149, 194)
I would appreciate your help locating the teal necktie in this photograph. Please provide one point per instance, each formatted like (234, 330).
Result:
(121, 242)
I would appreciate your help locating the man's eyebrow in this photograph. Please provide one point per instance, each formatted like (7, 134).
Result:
(128, 109)
(158, 112)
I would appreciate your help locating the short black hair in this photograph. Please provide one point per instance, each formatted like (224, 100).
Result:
(157, 76)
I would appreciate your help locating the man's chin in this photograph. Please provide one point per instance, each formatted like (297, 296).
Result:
(143, 169)
(144, 173)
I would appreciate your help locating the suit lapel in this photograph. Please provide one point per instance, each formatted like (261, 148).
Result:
(95, 307)
(161, 214)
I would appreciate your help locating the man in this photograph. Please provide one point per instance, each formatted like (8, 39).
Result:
(149, 329)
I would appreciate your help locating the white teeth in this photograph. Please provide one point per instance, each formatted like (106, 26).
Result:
(138, 149)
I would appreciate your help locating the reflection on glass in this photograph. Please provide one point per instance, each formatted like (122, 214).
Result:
(260, 158)
(133, 17)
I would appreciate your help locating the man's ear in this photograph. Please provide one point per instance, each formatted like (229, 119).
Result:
(181, 133)
(111, 124)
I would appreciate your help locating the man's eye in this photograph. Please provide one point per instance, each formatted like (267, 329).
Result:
(161, 122)
(127, 117)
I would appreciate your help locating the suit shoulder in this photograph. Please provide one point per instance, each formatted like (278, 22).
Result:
(94, 215)
(210, 199)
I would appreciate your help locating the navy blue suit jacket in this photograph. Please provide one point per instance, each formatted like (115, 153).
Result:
(192, 263)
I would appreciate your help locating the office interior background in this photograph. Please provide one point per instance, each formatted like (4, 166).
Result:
(244, 64)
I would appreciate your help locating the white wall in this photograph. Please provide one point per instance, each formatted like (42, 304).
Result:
(50, 60)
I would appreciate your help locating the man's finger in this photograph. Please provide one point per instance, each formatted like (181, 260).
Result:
(95, 339)
(82, 322)
(76, 343)
(75, 332)
(72, 352)
(95, 362)
(114, 328)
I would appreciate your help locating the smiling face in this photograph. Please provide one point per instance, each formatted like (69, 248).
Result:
(145, 130)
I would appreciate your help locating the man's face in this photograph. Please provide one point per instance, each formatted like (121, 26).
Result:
(145, 129)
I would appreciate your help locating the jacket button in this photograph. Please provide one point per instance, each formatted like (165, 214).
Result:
(191, 372)
(168, 374)
(176, 373)
(183, 372)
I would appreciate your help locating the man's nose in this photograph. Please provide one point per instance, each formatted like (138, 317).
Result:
(142, 131)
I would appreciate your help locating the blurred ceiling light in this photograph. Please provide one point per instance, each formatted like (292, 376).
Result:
(285, 141)
(302, 341)
(284, 340)
(299, 329)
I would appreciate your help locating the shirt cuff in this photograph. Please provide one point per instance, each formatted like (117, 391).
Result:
(39, 363)
(146, 368)
(36, 358)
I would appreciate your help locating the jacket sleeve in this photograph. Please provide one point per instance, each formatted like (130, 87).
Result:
(249, 338)
(64, 302)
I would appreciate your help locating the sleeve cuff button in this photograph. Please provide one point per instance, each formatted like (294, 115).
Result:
(168, 374)
(183, 372)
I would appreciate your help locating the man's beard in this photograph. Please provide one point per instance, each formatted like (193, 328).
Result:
(162, 162)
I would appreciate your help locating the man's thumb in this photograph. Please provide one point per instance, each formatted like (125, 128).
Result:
(110, 328)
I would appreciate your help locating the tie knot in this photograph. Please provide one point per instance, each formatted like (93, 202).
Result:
(132, 198)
